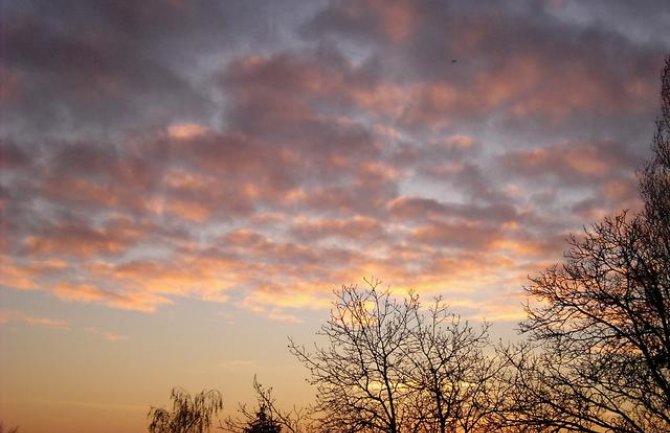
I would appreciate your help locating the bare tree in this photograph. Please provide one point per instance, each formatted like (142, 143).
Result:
(393, 366)
(266, 416)
(602, 319)
(358, 375)
(455, 384)
(188, 414)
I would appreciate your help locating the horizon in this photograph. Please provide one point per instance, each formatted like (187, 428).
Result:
(185, 182)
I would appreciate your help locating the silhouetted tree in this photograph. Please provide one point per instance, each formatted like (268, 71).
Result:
(455, 386)
(188, 414)
(600, 361)
(393, 366)
(267, 417)
(263, 423)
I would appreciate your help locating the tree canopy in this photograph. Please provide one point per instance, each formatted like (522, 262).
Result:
(189, 414)
(600, 321)
(393, 365)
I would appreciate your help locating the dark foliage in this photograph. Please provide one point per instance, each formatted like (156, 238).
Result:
(266, 417)
(263, 423)
(188, 414)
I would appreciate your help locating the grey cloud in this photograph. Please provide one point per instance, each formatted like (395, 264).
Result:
(505, 61)
(12, 155)
(417, 209)
(391, 157)
(81, 67)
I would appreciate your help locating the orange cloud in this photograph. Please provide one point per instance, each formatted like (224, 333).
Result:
(86, 293)
(275, 302)
(185, 131)
(14, 316)
(16, 275)
(294, 295)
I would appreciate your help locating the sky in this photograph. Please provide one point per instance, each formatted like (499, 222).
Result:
(184, 183)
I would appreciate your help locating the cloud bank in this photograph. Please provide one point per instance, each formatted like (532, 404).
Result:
(242, 153)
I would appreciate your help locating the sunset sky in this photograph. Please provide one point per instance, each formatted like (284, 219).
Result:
(183, 183)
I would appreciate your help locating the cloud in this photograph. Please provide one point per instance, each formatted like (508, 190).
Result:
(572, 161)
(83, 66)
(86, 293)
(12, 156)
(14, 316)
(466, 62)
(419, 209)
(185, 131)
(394, 21)
(258, 157)
(81, 69)
(82, 240)
(107, 335)
(356, 228)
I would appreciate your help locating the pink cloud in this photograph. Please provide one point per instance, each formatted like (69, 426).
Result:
(462, 63)
(354, 228)
(372, 153)
(573, 161)
(83, 240)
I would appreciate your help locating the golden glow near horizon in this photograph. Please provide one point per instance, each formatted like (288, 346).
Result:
(183, 184)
